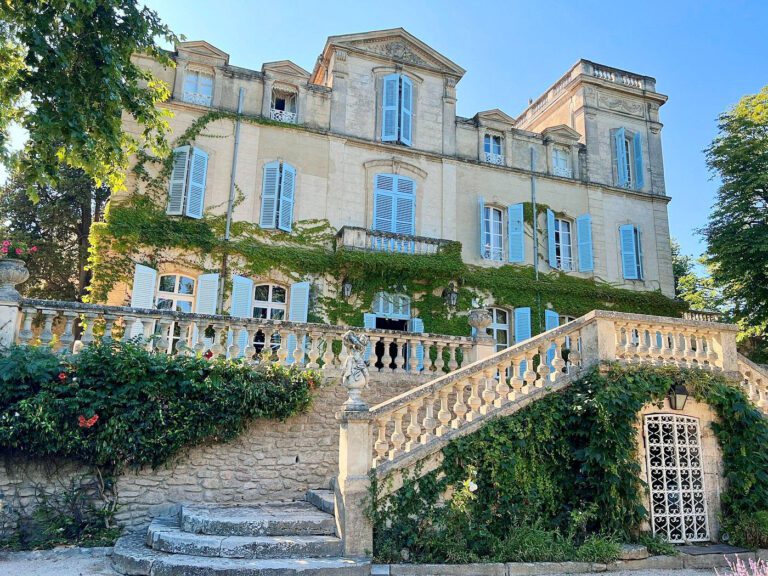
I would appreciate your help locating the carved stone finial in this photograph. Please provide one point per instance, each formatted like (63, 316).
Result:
(12, 273)
(354, 376)
(480, 319)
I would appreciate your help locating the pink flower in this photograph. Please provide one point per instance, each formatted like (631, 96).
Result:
(4, 250)
(6, 242)
(19, 251)
(33, 249)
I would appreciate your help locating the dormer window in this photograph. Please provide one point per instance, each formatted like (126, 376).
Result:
(561, 165)
(198, 88)
(397, 109)
(283, 106)
(492, 146)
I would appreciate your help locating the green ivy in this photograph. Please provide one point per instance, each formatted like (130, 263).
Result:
(566, 464)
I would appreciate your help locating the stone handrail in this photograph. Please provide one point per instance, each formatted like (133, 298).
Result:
(377, 241)
(754, 381)
(52, 323)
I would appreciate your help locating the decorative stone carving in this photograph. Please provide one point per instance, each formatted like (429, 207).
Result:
(480, 319)
(12, 273)
(398, 50)
(354, 376)
(621, 104)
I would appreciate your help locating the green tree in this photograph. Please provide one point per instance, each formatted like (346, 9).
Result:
(682, 265)
(67, 77)
(59, 225)
(737, 233)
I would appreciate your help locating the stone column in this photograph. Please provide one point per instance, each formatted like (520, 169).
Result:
(12, 273)
(266, 101)
(598, 342)
(483, 344)
(338, 123)
(724, 345)
(449, 116)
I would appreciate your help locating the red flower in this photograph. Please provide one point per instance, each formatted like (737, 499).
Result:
(87, 423)
(4, 250)
(208, 355)
(19, 251)
(62, 376)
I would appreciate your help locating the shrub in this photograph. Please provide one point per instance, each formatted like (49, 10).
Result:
(656, 545)
(748, 529)
(116, 405)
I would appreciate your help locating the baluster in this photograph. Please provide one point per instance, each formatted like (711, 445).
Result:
(414, 428)
(701, 349)
(712, 356)
(401, 362)
(282, 351)
(26, 334)
(466, 352)
(517, 378)
(344, 353)
(690, 351)
(429, 419)
(220, 331)
(459, 408)
(87, 336)
(674, 348)
(46, 334)
(474, 401)
(574, 355)
(165, 336)
(530, 375)
(488, 393)
(67, 338)
(543, 367)
(184, 345)
(629, 347)
(382, 445)
(398, 438)
(502, 388)
(267, 353)
(643, 349)
(298, 352)
(328, 357)
(453, 364)
(413, 361)
(314, 350)
(444, 414)
(439, 360)
(557, 362)
(109, 323)
(198, 334)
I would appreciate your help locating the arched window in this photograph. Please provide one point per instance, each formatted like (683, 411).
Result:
(394, 204)
(269, 303)
(499, 328)
(175, 292)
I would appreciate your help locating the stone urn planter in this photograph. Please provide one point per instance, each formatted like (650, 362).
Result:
(12, 273)
(480, 319)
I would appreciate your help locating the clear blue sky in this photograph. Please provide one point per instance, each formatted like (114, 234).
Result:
(704, 56)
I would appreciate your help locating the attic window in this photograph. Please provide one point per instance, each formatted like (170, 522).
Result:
(492, 148)
(283, 107)
(198, 88)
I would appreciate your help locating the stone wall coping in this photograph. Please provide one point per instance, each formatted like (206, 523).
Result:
(379, 233)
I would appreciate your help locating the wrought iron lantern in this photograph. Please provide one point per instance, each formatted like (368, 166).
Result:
(451, 295)
(678, 396)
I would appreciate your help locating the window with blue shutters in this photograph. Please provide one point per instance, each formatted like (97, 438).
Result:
(397, 105)
(584, 238)
(628, 152)
(515, 224)
(394, 204)
(491, 232)
(186, 188)
(631, 252)
(278, 192)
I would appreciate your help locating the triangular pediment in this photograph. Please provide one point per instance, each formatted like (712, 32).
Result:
(285, 67)
(561, 132)
(396, 45)
(202, 48)
(495, 116)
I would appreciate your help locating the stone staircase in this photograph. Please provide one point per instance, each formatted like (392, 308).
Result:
(275, 539)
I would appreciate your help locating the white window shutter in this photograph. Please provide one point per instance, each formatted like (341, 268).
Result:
(269, 195)
(584, 233)
(298, 311)
(405, 206)
(551, 238)
(637, 150)
(628, 252)
(416, 325)
(143, 296)
(516, 233)
(198, 170)
(383, 203)
(621, 157)
(390, 99)
(406, 110)
(287, 189)
(178, 181)
(205, 301)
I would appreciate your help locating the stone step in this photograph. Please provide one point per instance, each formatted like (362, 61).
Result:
(323, 500)
(165, 535)
(132, 557)
(274, 519)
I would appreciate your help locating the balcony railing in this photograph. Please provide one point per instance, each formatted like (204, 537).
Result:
(492, 158)
(564, 172)
(284, 116)
(376, 241)
(197, 98)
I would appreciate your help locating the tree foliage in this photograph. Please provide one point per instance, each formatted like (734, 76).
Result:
(737, 233)
(67, 77)
(59, 225)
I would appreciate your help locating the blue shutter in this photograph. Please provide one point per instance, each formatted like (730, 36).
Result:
(406, 111)
(522, 324)
(369, 321)
(298, 311)
(269, 195)
(287, 185)
(178, 181)
(628, 251)
(481, 210)
(551, 238)
(240, 306)
(384, 202)
(621, 157)
(205, 301)
(584, 238)
(637, 150)
(405, 206)
(389, 103)
(198, 170)
(417, 326)
(551, 321)
(639, 247)
(516, 233)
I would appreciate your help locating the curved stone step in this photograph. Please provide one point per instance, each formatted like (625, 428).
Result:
(323, 500)
(165, 535)
(274, 519)
(132, 557)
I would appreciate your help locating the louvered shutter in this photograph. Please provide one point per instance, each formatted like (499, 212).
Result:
(178, 181)
(287, 188)
(551, 238)
(481, 225)
(621, 157)
(417, 326)
(241, 306)
(584, 234)
(522, 331)
(369, 322)
(551, 321)
(383, 203)
(143, 296)
(639, 247)
(269, 195)
(389, 115)
(516, 233)
(205, 302)
(405, 206)
(637, 149)
(406, 110)
(628, 251)
(198, 170)
(298, 311)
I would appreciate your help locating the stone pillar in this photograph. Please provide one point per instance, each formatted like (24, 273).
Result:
(483, 344)
(724, 345)
(266, 101)
(449, 116)
(12, 273)
(598, 342)
(338, 123)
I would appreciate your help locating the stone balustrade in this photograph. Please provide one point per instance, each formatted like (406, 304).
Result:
(52, 324)
(376, 241)
(754, 381)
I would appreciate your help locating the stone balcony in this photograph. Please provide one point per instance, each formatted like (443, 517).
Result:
(375, 241)
(283, 116)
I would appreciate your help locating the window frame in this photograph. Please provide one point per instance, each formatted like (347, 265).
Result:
(399, 112)
(559, 245)
(493, 148)
(174, 330)
(496, 327)
(196, 96)
(491, 252)
(270, 304)
(562, 153)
